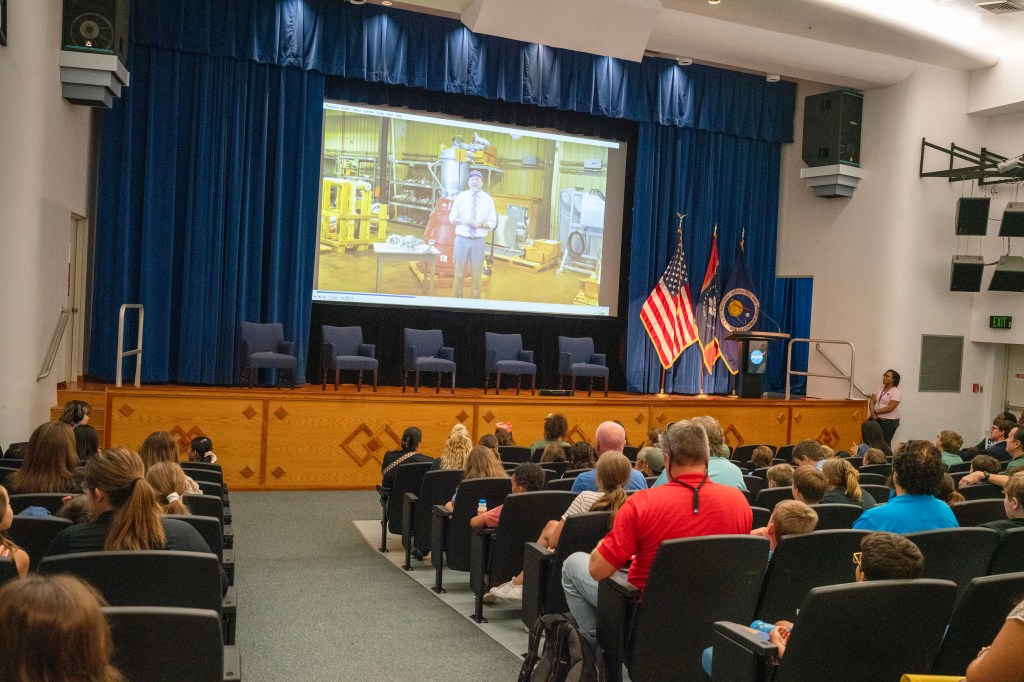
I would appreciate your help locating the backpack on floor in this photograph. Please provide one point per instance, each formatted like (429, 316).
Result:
(568, 655)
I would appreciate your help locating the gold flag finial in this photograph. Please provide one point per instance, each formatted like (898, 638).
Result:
(743, 236)
(680, 228)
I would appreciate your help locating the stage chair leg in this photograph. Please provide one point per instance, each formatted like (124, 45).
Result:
(606, 387)
(519, 382)
(572, 387)
(560, 378)
(323, 378)
(533, 385)
(337, 378)
(295, 377)
(359, 382)
(405, 379)
(437, 388)
(487, 381)
(416, 389)
(375, 381)
(590, 386)
(497, 385)
(453, 383)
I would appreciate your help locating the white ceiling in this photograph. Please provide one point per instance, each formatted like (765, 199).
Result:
(855, 43)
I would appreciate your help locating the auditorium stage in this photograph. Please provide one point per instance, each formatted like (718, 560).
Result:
(307, 439)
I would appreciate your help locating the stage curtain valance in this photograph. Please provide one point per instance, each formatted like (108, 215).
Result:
(392, 46)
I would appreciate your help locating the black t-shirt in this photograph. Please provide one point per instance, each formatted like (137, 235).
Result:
(392, 455)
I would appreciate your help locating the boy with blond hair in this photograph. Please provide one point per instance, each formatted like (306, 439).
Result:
(790, 517)
(780, 476)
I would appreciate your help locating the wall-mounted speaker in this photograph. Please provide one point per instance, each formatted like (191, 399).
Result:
(1009, 275)
(1012, 224)
(832, 128)
(972, 216)
(96, 26)
(966, 272)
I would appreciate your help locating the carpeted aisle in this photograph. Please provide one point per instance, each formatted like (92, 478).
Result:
(315, 602)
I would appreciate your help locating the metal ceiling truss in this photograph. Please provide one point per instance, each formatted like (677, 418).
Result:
(983, 166)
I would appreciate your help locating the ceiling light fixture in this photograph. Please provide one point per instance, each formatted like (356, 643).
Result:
(386, 3)
(772, 77)
(684, 61)
(714, 2)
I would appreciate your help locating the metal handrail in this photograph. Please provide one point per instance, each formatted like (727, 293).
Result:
(790, 372)
(823, 354)
(137, 351)
(51, 352)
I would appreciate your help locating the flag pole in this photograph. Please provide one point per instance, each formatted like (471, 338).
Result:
(679, 231)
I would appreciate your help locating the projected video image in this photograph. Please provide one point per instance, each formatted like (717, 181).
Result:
(420, 210)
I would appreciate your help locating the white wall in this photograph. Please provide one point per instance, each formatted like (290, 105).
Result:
(881, 259)
(44, 171)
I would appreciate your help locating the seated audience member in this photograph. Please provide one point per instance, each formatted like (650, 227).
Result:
(53, 629)
(170, 485)
(985, 463)
(720, 469)
(1000, 432)
(481, 463)
(829, 452)
(503, 432)
(552, 453)
(1003, 660)
(456, 449)
(882, 556)
(651, 461)
(526, 478)
(780, 475)
(946, 491)
(159, 446)
(50, 462)
(809, 485)
(75, 412)
(1013, 505)
(555, 430)
(408, 453)
(844, 485)
(489, 440)
(1014, 448)
(762, 457)
(987, 440)
(201, 450)
(916, 472)
(670, 511)
(790, 517)
(87, 442)
(612, 474)
(871, 436)
(808, 453)
(609, 437)
(949, 443)
(76, 509)
(653, 436)
(7, 546)
(581, 455)
(874, 456)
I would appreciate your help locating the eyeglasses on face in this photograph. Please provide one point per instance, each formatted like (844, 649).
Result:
(857, 556)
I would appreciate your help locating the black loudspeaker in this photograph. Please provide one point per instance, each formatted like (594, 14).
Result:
(965, 275)
(96, 26)
(972, 216)
(1013, 220)
(1009, 275)
(832, 128)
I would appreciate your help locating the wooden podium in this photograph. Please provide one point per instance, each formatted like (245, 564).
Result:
(753, 361)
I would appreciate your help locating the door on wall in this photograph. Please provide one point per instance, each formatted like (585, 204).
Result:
(1015, 378)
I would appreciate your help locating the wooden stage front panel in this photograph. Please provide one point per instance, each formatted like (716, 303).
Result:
(280, 439)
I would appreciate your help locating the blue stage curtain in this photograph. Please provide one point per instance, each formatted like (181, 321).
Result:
(208, 186)
(396, 47)
(793, 307)
(715, 179)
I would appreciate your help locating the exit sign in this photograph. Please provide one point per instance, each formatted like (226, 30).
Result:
(1000, 322)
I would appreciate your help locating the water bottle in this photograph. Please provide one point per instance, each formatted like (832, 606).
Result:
(762, 626)
(481, 507)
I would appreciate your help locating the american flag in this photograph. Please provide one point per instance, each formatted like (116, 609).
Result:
(668, 314)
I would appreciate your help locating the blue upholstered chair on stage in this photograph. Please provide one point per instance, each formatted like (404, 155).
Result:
(425, 352)
(344, 349)
(576, 358)
(263, 347)
(505, 355)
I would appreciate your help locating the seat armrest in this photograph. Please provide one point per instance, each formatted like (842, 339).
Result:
(744, 636)
(537, 562)
(479, 554)
(490, 357)
(616, 602)
(740, 654)
(368, 350)
(410, 357)
(564, 363)
(327, 355)
(286, 348)
(446, 353)
(526, 356)
(246, 352)
(598, 359)
(438, 542)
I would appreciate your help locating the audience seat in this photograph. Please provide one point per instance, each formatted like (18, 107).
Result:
(34, 535)
(573, 473)
(977, 512)
(785, 453)
(558, 467)
(693, 583)
(166, 644)
(16, 451)
(982, 491)
(761, 516)
(496, 555)
(542, 567)
(803, 562)
(769, 497)
(417, 511)
(854, 460)
(755, 484)
(631, 452)
(742, 453)
(845, 633)
(880, 493)
(514, 453)
(1009, 554)
(868, 478)
(959, 467)
(957, 554)
(882, 469)
(408, 479)
(208, 505)
(450, 536)
(836, 516)
(8, 569)
(52, 502)
(977, 618)
(209, 528)
(560, 484)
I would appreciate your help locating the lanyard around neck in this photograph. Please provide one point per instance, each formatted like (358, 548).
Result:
(696, 490)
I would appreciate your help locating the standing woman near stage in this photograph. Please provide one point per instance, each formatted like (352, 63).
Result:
(884, 405)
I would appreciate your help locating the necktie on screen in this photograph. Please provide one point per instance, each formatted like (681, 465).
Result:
(472, 210)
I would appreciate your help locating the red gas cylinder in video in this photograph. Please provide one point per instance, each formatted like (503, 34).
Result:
(442, 232)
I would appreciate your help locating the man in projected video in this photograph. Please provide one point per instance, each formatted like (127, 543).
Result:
(474, 217)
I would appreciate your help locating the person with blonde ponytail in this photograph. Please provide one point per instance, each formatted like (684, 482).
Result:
(171, 486)
(844, 485)
(127, 512)
(456, 449)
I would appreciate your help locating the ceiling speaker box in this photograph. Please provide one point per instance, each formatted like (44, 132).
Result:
(96, 26)
(1013, 220)
(972, 216)
(1009, 275)
(965, 274)
(831, 132)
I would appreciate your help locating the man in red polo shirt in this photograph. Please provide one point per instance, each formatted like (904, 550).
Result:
(690, 505)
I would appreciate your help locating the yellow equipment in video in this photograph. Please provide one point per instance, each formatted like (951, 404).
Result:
(348, 216)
